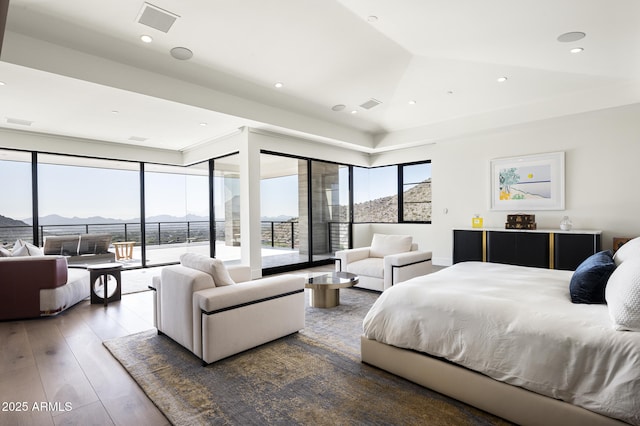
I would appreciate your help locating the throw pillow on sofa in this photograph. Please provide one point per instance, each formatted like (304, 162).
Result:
(22, 248)
(4, 252)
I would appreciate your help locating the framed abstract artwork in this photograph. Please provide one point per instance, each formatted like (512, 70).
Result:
(530, 182)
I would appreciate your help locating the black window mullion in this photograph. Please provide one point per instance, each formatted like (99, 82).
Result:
(400, 194)
(35, 222)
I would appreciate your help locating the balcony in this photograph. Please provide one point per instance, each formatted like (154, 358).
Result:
(166, 241)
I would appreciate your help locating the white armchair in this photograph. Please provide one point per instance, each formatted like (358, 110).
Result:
(217, 312)
(389, 260)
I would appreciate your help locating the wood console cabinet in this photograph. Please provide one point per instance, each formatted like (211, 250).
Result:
(540, 248)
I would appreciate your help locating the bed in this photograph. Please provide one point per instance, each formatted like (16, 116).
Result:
(508, 340)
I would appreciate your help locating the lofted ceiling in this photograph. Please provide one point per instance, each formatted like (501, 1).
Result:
(79, 69)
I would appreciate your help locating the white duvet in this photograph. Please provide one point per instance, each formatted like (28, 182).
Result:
(516, 325)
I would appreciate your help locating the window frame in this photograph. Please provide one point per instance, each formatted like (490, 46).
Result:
(401, 185)
(399, 192)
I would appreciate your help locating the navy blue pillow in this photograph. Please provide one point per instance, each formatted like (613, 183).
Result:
(590, 278)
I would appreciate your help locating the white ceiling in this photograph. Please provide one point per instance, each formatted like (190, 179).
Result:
(68, 65)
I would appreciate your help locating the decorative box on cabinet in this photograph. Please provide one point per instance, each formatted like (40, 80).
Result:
(540, 248)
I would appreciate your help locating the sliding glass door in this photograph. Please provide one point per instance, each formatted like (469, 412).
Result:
(283, 210)
(329, 209)
(226, 204)
(176, 212)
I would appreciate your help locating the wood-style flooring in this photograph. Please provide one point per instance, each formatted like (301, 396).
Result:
(55, 371)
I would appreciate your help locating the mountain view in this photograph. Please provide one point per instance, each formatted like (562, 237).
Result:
(7, 221)
(174, 229)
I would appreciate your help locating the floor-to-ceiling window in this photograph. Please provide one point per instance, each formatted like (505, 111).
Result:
(329, 208)
(176, 211)
(226, 204)
(284, 210)
(78, 195)
(15, 197)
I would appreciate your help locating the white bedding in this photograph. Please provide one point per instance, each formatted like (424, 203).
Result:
(516, 325)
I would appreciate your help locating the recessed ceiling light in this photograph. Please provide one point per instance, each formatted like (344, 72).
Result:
(576, 50)
(449, 92)
(501, 79)
(278, 85)
(137, 139)
(354, 111)
(203, 124)
(338, 107)
(412, 102)
(19, 121)
(2, 83)
(571, 36)
(181, 53)
(115, 111)
(372, 18)
(146, 38)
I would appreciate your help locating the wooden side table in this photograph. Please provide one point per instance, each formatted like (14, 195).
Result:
(124, 250)
(619, 242)
(101, 271)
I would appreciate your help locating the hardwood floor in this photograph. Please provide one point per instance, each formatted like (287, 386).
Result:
(56, 371)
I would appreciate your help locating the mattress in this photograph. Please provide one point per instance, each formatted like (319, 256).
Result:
(517, 325)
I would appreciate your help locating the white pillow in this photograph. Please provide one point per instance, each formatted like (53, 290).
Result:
(220, 274)
(22, 248)
(630, 249)
(623, 295)
(211, 266)
(4, 252)
(384, 245)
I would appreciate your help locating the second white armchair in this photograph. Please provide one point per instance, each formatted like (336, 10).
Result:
(389, 260)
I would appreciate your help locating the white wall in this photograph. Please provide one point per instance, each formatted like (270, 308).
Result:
(602, 152)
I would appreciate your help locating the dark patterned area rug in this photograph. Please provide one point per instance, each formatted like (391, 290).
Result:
(312, 377)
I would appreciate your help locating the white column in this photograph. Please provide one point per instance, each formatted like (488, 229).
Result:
(250, 203)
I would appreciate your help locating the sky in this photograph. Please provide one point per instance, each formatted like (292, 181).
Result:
(84, 192)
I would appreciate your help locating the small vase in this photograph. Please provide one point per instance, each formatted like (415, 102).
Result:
(566, 224)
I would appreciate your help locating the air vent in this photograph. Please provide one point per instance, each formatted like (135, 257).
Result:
(19, 121)
(370, 103)
(154, 17)
(137, 139)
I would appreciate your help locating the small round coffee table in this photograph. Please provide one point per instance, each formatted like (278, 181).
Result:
(325, 288)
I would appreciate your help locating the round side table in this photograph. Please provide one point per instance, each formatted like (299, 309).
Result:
(101, 271)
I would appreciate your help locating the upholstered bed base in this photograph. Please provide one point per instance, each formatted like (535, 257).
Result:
(509, 402)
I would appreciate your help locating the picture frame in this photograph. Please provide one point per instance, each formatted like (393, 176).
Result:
(528, 182)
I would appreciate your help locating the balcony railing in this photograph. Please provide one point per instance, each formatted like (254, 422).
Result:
(157, 233)
(277, 234)
(283, 234)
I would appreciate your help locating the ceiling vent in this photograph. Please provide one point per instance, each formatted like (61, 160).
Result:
(137, 139)
(154, 17)
(19, 121)
(370, 103)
